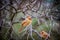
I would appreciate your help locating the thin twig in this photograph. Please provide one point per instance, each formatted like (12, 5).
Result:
(4, 7)
(37, 34)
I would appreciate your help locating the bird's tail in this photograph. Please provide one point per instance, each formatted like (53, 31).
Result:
(21, 28)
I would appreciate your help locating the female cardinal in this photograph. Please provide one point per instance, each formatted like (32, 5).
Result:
(26, 22)
(44, 34)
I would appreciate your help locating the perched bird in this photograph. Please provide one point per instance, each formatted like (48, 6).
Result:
(44, 34)
(25, 23)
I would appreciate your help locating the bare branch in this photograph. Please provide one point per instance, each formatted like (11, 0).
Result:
(37, 33)
(4, 7)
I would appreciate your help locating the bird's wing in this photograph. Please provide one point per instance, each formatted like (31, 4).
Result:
(24, 24)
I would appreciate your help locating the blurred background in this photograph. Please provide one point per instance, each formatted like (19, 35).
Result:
(45, 16)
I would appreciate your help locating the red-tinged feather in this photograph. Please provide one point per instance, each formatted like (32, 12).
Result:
(25, 23)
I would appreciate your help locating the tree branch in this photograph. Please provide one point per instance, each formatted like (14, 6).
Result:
(37, 34)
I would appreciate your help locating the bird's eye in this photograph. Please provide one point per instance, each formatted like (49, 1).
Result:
(42, 32)
(29, 18)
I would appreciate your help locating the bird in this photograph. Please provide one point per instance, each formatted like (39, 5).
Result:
(44, 34)
(25, 23)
